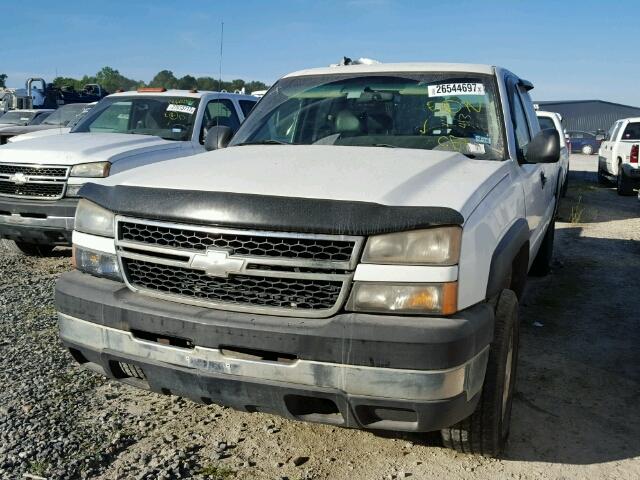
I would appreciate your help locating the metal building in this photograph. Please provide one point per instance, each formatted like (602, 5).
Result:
(589, 115)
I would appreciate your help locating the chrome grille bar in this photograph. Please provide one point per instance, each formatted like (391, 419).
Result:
(40, 182)
(156, 263)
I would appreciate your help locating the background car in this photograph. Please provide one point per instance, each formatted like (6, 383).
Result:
(584, 142)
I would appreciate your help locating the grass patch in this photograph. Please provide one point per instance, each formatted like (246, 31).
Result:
(576, 211)
(217, 472)
(38, 467)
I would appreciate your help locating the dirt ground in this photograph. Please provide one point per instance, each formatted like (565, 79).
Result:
(576, 413)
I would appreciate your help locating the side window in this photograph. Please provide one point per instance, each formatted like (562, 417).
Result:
(613, 133)
(527, 104)
(220, 112)
(632, 131)
(519, 119)
(577, 135)
(247, 106)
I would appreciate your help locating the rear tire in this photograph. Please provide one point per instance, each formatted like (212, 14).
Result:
(485, 432)
(587, 150)
(624, 185)
(27, 249)
(542, 263)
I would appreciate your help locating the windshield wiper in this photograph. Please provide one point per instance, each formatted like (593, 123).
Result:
(262, 142)
(383, 145)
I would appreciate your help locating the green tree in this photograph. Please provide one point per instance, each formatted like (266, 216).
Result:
(187, 83)
(111, 80)
(207, 83)
(164, 78)
(68, 82)
(3, 80)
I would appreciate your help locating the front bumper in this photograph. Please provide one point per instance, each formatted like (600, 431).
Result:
(355, 370)
(37, 221)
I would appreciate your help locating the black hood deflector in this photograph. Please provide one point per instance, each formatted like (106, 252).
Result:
(266, 212)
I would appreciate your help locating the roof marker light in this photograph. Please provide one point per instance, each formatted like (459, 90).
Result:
(152, 89)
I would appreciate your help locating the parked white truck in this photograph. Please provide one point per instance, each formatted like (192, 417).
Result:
(554, 120)
(40, 178)
(354, 257)
(618, 156)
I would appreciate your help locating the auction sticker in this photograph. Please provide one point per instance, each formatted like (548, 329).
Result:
(455, 89)
(181, 108)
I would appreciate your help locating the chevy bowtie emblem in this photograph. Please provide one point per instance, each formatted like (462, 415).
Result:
(217, 263)
(19, 178)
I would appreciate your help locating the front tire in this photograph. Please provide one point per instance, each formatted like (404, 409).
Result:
(486, 431)
(27, 249)
(587, 150)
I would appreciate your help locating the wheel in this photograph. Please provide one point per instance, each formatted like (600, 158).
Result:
(28, 249)
(542, 263)
(485, 432)
(587, 149)
(624, 186)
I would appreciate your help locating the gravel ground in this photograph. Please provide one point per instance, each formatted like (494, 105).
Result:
(575, 413)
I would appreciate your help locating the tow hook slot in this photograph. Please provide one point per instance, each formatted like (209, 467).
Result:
(163, 339)
(258, 355)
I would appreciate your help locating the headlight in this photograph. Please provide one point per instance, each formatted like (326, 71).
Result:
(427, 298)
(433, 246)
(91, 170)
(90, 218)
(95, 263)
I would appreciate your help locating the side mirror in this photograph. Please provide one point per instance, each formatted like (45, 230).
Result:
(544, 147)
(217, 137)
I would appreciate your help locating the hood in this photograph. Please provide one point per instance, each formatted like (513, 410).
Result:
(19, 129)
(37, 134)
(388, 176)
(83, 147)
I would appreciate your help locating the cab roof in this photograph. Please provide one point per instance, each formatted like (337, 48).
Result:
(179, 93)
(398, 67)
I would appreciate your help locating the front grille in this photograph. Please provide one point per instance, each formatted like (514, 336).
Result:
(275, 273)
(37, 170)
(39, 190)
(304, 294)
(238, 243)
(33, 181)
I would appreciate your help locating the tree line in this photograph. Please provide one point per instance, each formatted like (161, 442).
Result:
(112, 80)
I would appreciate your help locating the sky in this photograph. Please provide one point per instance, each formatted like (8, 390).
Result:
(569, 50)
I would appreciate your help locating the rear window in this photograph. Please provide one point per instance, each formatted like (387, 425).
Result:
(632, 132)
(246, 106)
(545, 123)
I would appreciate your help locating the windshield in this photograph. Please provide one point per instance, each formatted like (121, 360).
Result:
(63, 115)
(171, 118)
(432, 111)
(17, 118)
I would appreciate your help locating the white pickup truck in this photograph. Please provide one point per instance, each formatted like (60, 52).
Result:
(40, 177)
(354, 257)
(618, 156)
(554, 120)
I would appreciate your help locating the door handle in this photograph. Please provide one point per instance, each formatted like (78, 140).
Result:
(543, 179)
